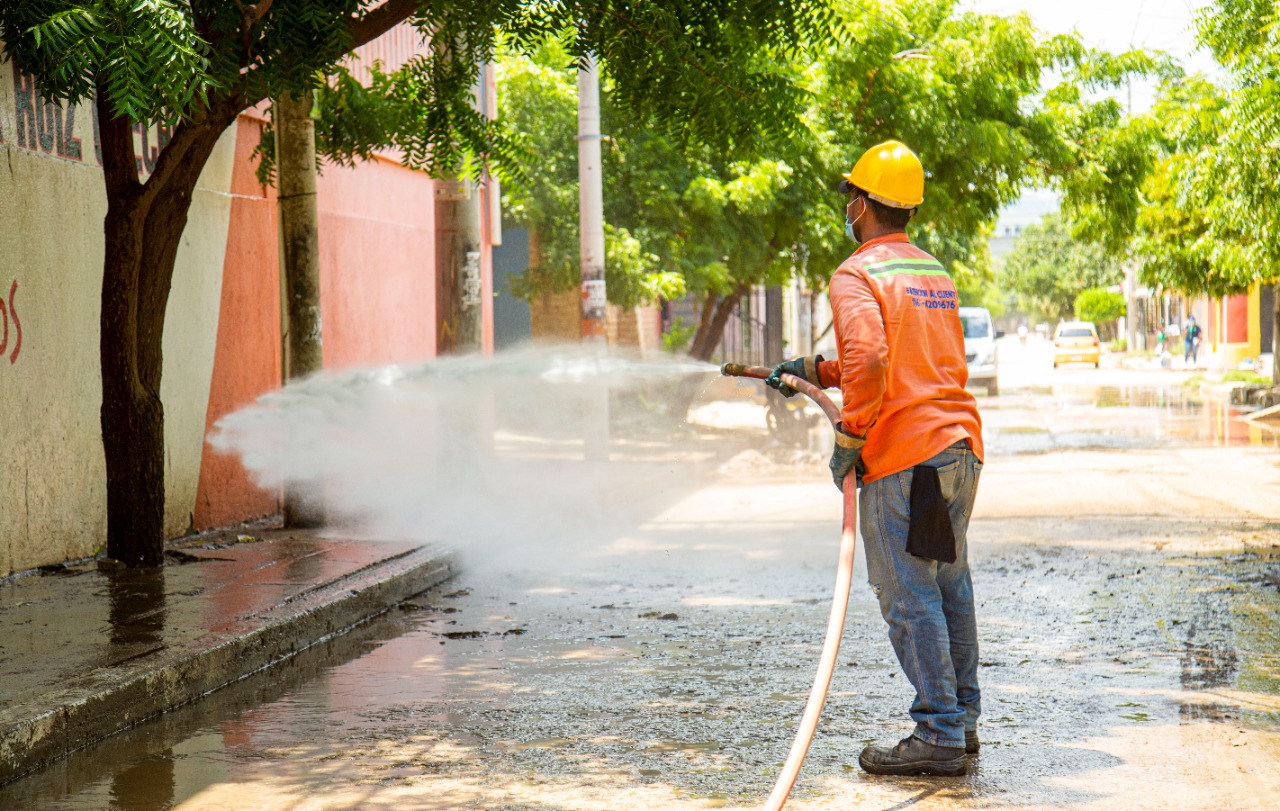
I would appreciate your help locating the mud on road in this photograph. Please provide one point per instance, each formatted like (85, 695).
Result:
(1128, 605)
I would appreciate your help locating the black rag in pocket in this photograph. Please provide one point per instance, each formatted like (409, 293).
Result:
(930, 534)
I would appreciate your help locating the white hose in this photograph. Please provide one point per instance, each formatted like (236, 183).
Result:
(830, 651)
(839, 602)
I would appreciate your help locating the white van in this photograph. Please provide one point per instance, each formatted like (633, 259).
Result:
(980, 348)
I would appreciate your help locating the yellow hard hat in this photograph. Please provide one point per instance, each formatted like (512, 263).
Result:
(889, 173)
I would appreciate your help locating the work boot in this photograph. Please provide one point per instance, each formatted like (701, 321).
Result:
(971, 743)
(913, 756)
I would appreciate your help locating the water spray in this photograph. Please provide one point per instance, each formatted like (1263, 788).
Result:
(394, 450)
(839, 602)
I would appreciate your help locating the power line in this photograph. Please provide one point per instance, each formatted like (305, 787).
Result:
(1137, 21)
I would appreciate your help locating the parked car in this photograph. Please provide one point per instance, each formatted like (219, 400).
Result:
(980, 348)
(1076, 342)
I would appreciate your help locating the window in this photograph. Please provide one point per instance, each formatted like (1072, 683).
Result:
(976, 326)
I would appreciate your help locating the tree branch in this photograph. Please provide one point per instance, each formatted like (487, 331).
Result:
(658, 44)
(186, 135)
(363, 30)
(381, 20)
(119, 167)
(866, 95)
(254, 11)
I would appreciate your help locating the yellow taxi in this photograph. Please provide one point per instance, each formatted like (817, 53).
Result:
(1076, 342)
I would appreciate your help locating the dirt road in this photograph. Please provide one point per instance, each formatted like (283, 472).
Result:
(1128, 595)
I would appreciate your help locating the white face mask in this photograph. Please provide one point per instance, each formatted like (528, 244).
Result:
(848, 226)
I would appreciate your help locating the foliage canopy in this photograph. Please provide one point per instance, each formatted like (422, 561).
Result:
(1049, 268)
(1099, 305)
(1212, 225)
(964, 90)
(698, 70)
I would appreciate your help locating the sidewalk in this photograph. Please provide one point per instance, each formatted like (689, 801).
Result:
(1169, 363)
(86, 651)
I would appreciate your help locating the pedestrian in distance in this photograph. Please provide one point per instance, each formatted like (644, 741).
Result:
(1191, 339)
(913, 438)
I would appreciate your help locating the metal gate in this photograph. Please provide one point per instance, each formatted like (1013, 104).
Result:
(753, 334)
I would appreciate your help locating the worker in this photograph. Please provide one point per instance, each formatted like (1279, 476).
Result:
(912, 436)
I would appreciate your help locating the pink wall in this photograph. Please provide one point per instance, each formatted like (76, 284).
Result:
(246, 361)
(377, 285)
(377, 288)
(377, 265)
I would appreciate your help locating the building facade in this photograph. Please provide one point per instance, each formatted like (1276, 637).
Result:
(222, 342)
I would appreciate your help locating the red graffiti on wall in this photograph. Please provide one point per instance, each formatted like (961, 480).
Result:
(8, 314)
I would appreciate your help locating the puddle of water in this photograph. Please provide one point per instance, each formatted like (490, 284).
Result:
(1038, 419)
(1230, 657)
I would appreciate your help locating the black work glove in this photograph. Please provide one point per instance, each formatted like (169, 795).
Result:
(804, 368)
(846, 456)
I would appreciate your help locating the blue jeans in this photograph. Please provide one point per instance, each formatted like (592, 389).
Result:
(927, 604)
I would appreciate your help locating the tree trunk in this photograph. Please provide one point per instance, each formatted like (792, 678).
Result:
(703, 331)
(711, 331)
(459, 318)
(300, 264)
(1275, 337)
(459, 313)
(715, 314)
(591, 257)
(1130, 318)
(142, 229)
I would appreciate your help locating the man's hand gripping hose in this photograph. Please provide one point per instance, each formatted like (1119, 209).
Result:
(839, 603)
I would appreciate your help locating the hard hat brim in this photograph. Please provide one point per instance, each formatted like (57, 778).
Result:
(847, 186)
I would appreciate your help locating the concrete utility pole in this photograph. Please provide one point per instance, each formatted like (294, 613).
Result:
(300, 269)
(591, 251)
(590, 203)
(299, 235)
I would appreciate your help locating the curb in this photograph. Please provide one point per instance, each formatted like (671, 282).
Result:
(106, 702)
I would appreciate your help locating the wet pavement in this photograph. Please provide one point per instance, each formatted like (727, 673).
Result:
(91, 648)
(1127, 566)
(1074, 406)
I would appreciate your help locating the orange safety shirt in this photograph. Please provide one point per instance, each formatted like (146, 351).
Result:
(901, 368)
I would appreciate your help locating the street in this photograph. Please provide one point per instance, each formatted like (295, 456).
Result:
(1126, 556)
(388, 423)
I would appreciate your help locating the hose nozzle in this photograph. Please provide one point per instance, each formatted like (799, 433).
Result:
(741, 370)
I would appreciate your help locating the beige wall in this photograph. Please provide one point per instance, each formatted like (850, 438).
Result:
(191, 333)
(52, 480)
(558, 317)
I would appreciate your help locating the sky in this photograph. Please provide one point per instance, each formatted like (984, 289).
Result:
(1117, 25)
(1113, 25)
